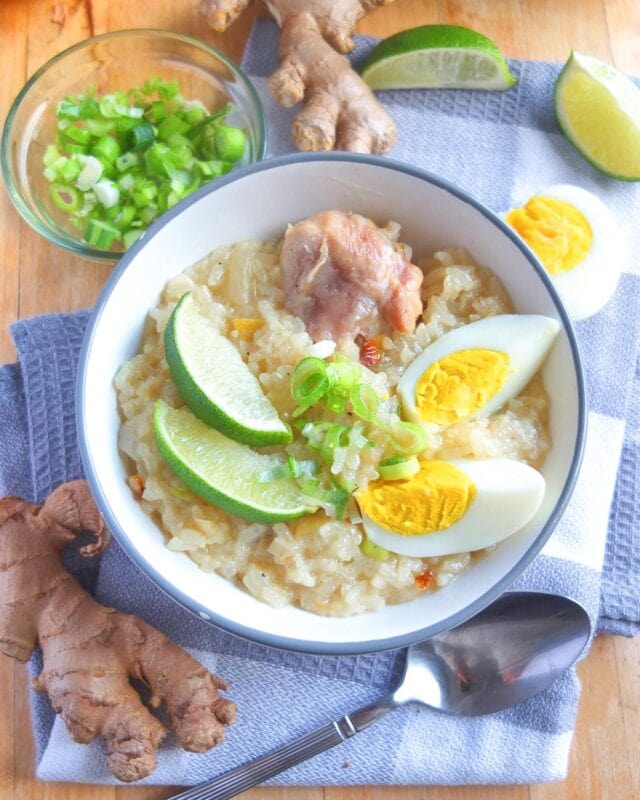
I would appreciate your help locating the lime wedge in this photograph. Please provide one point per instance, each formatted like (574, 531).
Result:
(214, 381)
(437, 57)
(222, 471)
(598, 109)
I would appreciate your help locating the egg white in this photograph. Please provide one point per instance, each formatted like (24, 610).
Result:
(525, 338)
(508, 494)
(589, 286)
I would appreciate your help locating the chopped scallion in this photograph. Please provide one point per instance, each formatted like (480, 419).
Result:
(101, 234)
(408, 437)
(364, 401)
(126, 157)
(143, 136)
(65, 197)
(398, 468)
(229, 142)
(372, 550)
(309, 382)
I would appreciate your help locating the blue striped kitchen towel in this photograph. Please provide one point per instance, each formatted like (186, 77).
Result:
(502, 147)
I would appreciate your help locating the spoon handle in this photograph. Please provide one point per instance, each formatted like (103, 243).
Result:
(261, 769)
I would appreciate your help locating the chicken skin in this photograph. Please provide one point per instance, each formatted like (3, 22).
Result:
(342, 274)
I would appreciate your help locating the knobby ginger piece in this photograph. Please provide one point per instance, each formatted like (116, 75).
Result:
(340, 110)
(91, 652)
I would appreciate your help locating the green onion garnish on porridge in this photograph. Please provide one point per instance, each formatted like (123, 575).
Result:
(334, 422)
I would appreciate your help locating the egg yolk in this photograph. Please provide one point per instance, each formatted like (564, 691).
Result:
(431, 500)
(556, 231)
(460, 384)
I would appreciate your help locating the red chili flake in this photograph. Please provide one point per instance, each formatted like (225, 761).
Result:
(423, 579)
(370, 353)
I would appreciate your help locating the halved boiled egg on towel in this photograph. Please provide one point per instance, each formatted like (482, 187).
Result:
(472, 371)
(578, 241)
(451, 506)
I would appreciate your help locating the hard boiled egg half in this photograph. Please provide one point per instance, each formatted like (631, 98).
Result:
(578, 241)
(451, 506)
(472, 371)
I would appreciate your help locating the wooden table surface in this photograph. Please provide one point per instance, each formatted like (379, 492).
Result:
(38, 277)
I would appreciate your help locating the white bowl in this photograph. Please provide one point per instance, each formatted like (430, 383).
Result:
(259, 202)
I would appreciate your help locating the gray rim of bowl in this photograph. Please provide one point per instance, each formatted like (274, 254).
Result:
(24, 209)
(283, 642)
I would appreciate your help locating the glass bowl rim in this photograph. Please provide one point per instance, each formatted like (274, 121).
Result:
(24, 208)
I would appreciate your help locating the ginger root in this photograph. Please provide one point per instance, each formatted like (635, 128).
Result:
(340, 109)
(91, 652)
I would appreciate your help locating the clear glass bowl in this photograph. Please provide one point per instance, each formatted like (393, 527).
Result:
(115, 61)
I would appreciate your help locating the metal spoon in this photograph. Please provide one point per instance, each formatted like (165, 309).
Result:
(509, 652)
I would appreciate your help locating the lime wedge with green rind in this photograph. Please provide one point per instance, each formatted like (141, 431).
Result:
(222, 471)
(598, 109)
(214, 381)
(437, 57)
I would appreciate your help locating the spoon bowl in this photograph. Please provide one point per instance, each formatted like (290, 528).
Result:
(512, 650)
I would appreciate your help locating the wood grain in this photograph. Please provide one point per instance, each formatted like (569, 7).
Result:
(37, 277)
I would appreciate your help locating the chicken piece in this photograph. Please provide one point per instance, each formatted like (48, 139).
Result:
(341, 274)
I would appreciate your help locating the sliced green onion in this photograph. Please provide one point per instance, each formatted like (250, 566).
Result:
(158, 110)
(51, 155)
(309, 382)
(149, 148)
(69, 171)
(408, 437)
(177, 140)
(303, 469)
(78, 135)
(107, 107)
(100, 127)
(274, 474)
(357, 438)
(123, 125)
(131, 237)
(371, 550)
(107, 193)
(68, 110)
(207, 121)
(79, 149)
(339, 498)
(126, 161)
(364, 401)
(229, 142)
(143, 136)
(398, 468)
(336, 436)
(101, 234)
(91, 173)
(122, 216)
(344, 373)
(335, 497)
(171, 125)
(336, 399)
(65, 197)
(291, 468)
(194, 114)
(316, 433)
(106, 148)
(89, 109)
(213, 169)
(166, 89)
